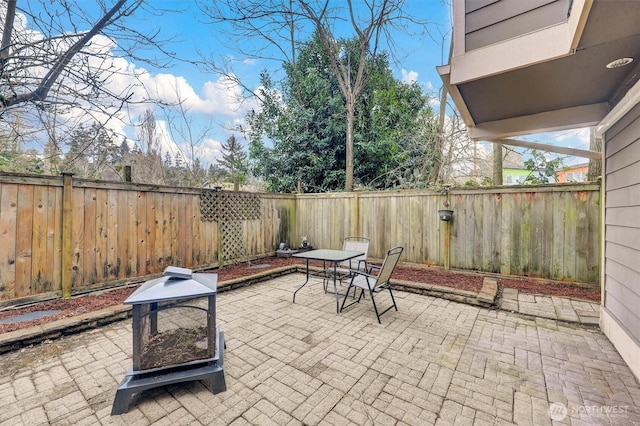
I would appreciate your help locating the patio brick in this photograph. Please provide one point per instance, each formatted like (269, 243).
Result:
(434, 361)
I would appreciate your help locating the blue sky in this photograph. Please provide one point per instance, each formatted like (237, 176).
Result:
(204, 91)
(211, 101)
(420, 56)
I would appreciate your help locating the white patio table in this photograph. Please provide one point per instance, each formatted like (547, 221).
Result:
(326, 255)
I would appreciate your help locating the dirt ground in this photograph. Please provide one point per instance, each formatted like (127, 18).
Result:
(470, 281)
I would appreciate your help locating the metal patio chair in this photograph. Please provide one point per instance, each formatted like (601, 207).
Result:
(375, 284)
(344, 269)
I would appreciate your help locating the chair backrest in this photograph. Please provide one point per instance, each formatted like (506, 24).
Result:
(355, 244)
(388, 265)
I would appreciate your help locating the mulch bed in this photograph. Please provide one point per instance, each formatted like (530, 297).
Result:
(469, 281)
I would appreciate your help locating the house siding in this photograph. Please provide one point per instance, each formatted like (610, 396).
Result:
(492, 21)
(622, 228)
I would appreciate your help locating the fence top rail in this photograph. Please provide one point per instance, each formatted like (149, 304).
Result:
(31, 179)
(468, 190)
(50, 180)
(549, 187)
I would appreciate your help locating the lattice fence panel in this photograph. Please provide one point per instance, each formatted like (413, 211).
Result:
(230, 209)
(233, 244)
(222, 206)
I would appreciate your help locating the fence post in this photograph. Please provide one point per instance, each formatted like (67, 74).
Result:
(447, 233)
(67, 233)
(447, 244)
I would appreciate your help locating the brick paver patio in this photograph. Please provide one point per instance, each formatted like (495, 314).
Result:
(433, 362)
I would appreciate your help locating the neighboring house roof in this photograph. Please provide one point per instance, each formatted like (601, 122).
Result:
(528, 67)
(513, 159)
(573, 167)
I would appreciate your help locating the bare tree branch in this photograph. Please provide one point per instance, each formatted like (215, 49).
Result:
(270, 28)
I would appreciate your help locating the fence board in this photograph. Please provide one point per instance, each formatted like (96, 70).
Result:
(415, 229)
(78, 239)
(24, 241)
(570, 217)
(160, 226)
(434, 236)
(52, 268)
(131, 265)
(188, 237)
(39, 281)
(114, 254)
(102, 230)
(87, 212)
(558, 236)
(172, 240)
(150, 232)
(506, 224)
(197, 230)
(582, 235)
(142, 232)
(8, 214)
(121, 214)
(491, 226)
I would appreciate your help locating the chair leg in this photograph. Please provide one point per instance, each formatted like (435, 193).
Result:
(375, 308)
(393, 299)
(347, 295)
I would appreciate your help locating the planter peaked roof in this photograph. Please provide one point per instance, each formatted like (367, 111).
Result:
(176, 284)
(521, 67)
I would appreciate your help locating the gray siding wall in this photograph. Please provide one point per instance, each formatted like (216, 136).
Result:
(492, 21)
(622, 222)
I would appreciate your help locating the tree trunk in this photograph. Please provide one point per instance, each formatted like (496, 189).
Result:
(348, 184)
(437, 157)
(595, 166)
(8, 30)
(497, 164)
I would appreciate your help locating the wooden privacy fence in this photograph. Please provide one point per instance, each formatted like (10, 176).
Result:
(64, 235)
(59, 234)
(547, 231)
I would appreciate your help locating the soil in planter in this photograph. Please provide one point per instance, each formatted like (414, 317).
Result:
(175, 347)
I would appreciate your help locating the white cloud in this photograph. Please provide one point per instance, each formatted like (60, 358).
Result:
(409, 77)
(211, 149)
(578, 138)
(219, 100)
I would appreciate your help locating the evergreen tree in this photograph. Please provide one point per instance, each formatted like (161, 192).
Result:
(234, 161)
(91, 153)
(215, 175)
(304, 121)
(198, 175)
(169, 170)
(147, 156)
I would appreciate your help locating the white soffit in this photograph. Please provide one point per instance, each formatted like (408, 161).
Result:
(569, 118)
